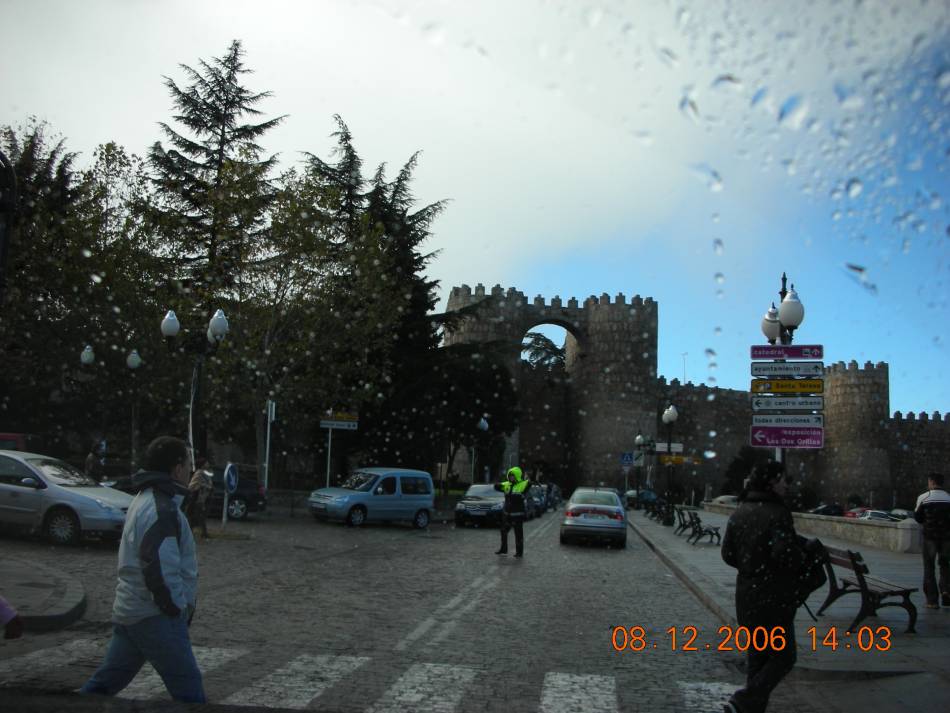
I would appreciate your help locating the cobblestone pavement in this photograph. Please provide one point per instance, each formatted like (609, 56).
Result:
(298, 614)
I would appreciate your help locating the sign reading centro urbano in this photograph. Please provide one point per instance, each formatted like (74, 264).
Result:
(788, 351)
(788, 403)
(788, 386)
(788, 368)
(786, 437)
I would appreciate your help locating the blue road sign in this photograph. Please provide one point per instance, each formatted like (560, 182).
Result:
(231, 478)
(626, 459)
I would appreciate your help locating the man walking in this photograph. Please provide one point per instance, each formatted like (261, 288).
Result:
(200, 488)
(761, 543)
(933, 512)
(158, 577)
(515, 488)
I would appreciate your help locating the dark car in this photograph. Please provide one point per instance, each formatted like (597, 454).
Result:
(825, 509)
(535, 501)
(481, 505)
(249, 497)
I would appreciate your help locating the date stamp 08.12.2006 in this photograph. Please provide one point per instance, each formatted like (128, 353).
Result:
(741, 638)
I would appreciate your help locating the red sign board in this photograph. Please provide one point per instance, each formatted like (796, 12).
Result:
(786, 437)
(788, 351)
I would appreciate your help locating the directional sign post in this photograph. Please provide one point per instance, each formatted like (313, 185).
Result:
(786, 437)
(815, 369)
(788, 386)
(788, 403)
(674, 448)
(789, 420)
(343, 421)
(787, 351)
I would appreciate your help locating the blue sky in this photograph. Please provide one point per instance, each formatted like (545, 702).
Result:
(593, 147)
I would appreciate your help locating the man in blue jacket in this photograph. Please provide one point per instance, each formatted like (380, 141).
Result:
(158, 577)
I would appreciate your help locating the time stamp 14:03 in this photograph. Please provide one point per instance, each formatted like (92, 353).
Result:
(742, 638)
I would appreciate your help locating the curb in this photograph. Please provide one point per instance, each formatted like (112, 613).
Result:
(689, 579)
(65, 604)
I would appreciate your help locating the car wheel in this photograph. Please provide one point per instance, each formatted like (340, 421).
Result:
(563, 539)
(421, 520)
(356, 516)
(459, 522)
(62, 527)
(237, 509)
(622, 544)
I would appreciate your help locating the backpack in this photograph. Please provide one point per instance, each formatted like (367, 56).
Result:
(812, 575)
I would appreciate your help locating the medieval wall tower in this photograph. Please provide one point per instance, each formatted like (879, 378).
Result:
(612, 391)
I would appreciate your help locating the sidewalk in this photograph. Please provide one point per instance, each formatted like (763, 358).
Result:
(701, 569)
(45, 599)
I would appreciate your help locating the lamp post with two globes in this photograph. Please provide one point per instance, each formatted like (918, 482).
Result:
(133, 361)
(779, 325)
(201, 346)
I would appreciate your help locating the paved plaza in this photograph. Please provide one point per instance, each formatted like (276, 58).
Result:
(295, 614)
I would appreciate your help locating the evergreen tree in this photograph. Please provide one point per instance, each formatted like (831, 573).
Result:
(212, 187)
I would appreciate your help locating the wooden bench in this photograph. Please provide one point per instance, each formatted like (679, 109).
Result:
(701, 530)
(873, 591)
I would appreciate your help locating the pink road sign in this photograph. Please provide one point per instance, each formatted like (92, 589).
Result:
(786, 437)
(788, 351)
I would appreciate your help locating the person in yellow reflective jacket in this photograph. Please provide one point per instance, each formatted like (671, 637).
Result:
(515, 488)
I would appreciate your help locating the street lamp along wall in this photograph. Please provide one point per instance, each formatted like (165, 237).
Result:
(669, 418)
(133, 361)
(218, 328)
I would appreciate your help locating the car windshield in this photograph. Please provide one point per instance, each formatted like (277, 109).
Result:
(60, 473)
(592, 498)
(360, 481)
(482, 491)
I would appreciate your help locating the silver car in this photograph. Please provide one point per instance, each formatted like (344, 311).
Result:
(47, 495)
(595, 513)
(377, 494)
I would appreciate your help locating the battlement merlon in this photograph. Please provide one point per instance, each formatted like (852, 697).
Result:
(852, 368)
(463, 295)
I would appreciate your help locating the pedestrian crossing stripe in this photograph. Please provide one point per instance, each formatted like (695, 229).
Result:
(422, 688)
(148, 684)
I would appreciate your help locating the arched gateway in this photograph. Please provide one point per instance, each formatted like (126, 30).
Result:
(610, 359)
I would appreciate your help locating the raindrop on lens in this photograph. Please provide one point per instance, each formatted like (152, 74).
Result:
(709, 455)
(720, 278)
(718, 247)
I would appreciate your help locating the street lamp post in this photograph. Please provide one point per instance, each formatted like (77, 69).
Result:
(779, 325)
(669, 418)
(638, 443)
(482, 425)
(201, 347)
(133, 361)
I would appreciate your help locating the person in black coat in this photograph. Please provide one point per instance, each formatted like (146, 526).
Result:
(933, 512)
(761, 543)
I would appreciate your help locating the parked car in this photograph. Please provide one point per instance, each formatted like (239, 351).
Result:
(48, 495)
(645, 496)
(535, 501)
(902, 513)
(832, 509)
(855, 512)
(726, 500)
(595, 513)
(879, 515)
(377, 494)
(481, 505)
(249, 497)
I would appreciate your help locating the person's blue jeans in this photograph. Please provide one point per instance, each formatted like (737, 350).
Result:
(162, 641)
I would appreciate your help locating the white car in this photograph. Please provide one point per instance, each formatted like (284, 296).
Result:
(47, 495)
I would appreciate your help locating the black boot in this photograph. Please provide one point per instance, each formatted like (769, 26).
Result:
(501, 552)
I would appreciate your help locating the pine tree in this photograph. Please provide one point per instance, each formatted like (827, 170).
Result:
(212, 186)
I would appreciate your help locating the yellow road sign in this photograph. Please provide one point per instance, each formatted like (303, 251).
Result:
(788, 386)
(679, 460)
